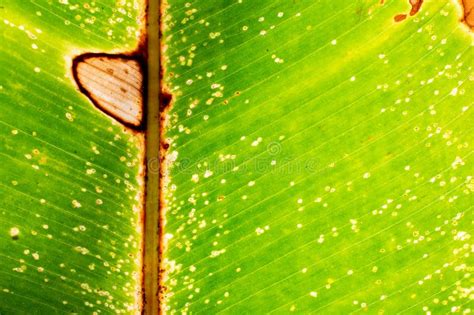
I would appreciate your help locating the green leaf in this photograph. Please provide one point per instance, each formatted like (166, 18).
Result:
(321, 157)
(70, 219)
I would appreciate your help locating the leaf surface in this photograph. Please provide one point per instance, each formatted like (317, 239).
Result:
(70, 218)
(321, 157)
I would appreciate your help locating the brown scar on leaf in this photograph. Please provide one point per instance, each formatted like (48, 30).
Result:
(415, 8)
(468, 13)
(165, 105)
(115, 84)
(399, 17)
(166, 100)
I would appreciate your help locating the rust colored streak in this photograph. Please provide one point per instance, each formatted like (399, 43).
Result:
(165, 101)
(468, 13)
(399, 17)
(415, 6)
(165, 104)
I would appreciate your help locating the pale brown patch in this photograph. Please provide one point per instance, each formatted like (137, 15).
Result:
(114, 83)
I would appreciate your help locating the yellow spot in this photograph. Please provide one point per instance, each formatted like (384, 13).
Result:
(14, 232)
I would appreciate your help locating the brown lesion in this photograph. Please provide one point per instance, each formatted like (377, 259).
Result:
(415, 8)
(399, 17)
(114, 83)
(165, 105)
(468, 13)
